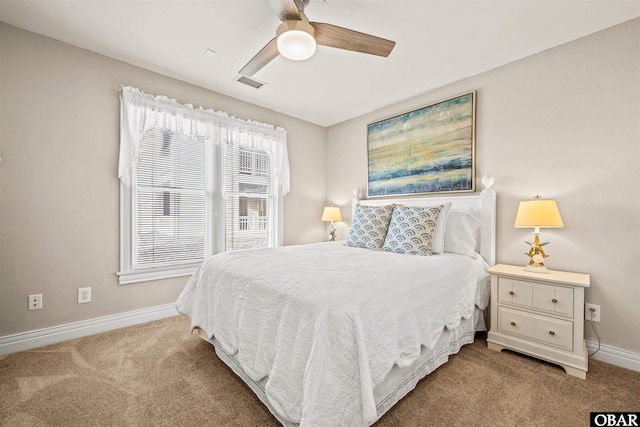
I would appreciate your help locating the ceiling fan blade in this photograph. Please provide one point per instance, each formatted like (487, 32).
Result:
(287, 9)
(262, 58)
(343, 38)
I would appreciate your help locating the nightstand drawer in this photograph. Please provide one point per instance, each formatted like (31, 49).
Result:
(550, 298)
(554, 332)
(514, 291)
(555, 299)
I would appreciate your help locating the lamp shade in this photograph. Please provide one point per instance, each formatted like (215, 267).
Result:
(538, 213)
(331, 213)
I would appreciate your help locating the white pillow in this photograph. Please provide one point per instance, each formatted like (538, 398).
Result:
(461, 233)
(437, 245)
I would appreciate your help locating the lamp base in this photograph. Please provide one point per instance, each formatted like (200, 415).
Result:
(536, 269)
(537, 255)
(332, 233)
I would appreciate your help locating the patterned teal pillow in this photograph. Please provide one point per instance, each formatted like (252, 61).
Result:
(369, 226)
(412, 230)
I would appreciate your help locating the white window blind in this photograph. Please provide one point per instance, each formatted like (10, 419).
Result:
(194, 183)
(170, 215)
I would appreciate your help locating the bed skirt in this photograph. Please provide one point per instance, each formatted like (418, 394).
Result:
(398, 382)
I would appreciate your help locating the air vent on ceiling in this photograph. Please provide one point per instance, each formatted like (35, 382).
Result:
(257, 84)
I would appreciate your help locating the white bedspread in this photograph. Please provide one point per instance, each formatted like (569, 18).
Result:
(327, 322)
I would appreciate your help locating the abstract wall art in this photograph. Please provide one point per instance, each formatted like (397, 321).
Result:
(428, 150)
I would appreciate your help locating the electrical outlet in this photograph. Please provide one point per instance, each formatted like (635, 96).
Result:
(84, 295)
(592, 312)
(35, 302)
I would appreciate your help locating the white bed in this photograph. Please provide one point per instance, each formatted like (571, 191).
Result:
(326, 334)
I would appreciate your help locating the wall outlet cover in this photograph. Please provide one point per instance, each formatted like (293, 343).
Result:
(35, 302)
(594, 315)
(84, 295)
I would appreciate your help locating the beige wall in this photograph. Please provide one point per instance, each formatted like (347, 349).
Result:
(564, 124)
(59, 192)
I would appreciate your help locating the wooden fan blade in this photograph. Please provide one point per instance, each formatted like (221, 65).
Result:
(262, 58)
(343, 38)
(287, 9)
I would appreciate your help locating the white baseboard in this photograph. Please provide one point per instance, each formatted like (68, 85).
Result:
(41, 337)
(614, 356)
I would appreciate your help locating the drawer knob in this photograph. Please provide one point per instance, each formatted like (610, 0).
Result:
(512, 293)
(554, 301)
(513, 323)
(551, 333)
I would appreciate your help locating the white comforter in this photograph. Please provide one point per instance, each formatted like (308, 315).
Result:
(327, 322)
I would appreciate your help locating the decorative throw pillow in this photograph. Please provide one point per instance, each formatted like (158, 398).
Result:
(411, 230)
(369, 226)
(461, 233)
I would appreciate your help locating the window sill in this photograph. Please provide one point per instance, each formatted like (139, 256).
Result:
(129, 277)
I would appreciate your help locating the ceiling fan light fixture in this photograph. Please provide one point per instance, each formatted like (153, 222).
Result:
(296, 40)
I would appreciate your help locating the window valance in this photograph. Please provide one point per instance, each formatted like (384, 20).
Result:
(141, 112)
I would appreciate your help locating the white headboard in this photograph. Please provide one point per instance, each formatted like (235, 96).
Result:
(482, 204)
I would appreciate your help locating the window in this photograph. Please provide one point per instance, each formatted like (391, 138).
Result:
(194, 183)
(248, 207)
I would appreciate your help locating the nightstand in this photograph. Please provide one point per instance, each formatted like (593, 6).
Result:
(541, 315)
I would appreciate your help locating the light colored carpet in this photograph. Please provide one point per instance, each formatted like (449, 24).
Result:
(158, 374)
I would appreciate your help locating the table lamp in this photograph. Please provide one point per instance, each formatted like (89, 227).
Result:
(537, 213)
(331, 213)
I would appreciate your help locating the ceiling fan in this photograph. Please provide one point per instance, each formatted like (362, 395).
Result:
(296, 38)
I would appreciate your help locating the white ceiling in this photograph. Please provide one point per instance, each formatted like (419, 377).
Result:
(438, 42)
